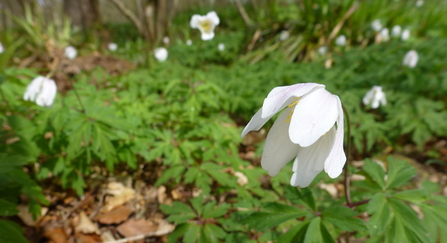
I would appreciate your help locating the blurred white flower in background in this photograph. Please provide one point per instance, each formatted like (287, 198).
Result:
(41, 90)
(166, 40)
(112, 46)
(419, 3)
(284, 35)
(205, 24)
(385, 33)
(2, 49)
(189, 42)
(411, 59)
(309, 130)
(405, 34)
(396, 30)
(376, 25)
(375, 96)
(70, 52)
(322, 50)
(161, 54)
(341, 40)
(221, 47)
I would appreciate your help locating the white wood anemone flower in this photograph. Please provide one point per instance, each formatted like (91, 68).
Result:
(112, 46)
(376, 25)
(375, 96)
(2, 49)
(385, 34)
(411, 59)
(309, 130)
(161, 54)
(205, 24)
(341, 40)
(41, 90)
(396, 31)
(221, 47)
(70, 52)
(405, 34)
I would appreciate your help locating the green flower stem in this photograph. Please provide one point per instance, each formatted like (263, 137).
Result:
(348, 151)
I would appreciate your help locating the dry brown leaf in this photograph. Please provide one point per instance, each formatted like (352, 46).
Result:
(107, 236)
(86, 238)
(330, 188)
(85, 225)
(161, 193)
(134, 227)
(27, 217)
(56, 235)
(116, 216)
(120, 195)
(241, 178)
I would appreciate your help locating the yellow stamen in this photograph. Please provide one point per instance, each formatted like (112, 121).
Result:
(206, 25)
(294, 103)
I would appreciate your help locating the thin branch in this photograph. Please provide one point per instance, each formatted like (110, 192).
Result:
(340, 24)
(130, 15)
(243, 13)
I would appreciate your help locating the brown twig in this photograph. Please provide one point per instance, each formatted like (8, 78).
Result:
(243, 13)
(340, 24)
(130, 15)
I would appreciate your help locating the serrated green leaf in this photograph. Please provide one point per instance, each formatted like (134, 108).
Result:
(375, 171)
(197, 204)
(414, 196)
(399, 172)
(209, 211)
(380, 213)
(295, 234)
(343, 218)
(213, 233)
(327, 237)
(178, 232)
(178, 212)
(303, 196)
(193, 234)
(174, 172)
(11, 232)
(7, 208)
(215, 171)
(313, 233)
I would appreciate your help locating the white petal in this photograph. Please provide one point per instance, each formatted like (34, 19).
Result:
(278, 149)
(310, 160)
(33, 89)
(255, 123)
(49, 90)
(336, 160)
(207, 36)
(313, 116)
(213, 17)
(280, 97)
(375, 103)
(368, 97)
(194, 23)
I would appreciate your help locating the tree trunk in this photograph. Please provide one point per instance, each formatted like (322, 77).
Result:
(84, 13)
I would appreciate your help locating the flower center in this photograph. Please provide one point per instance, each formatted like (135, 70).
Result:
(206, 25)
(294, 103)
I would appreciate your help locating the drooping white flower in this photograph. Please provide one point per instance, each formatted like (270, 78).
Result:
(41, 90)
(2, 49)
(376, 25)
(385, 33)
(322, 50)
(166, 40)
(411, 59)
(395, 32)
(161, 54)
(419, 3)
(341, 40)
(71, 52)
(205, 24)
(405, 34)
(375, 96)
(284, 35)
(221, 47)
(189, 42)
(112, 46)
(309, 130)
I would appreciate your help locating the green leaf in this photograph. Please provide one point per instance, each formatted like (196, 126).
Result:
(295, 234)
(215, 171)
(7, 208)
(380, 213)
(213, 233)
(175, 172)
(302, 197)
(263, 220)
(313, 233)
(178, 232)
(327, 237)
(209, 211)
(11, 232)
(197, 204)
(178, 212)
(375, 171)
(399, 172)
(193, 234)
(343, 218)
(414, 196)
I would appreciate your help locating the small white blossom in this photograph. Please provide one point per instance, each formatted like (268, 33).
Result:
(341, 40)
(385, 33)
(112, 46)
(166, 40)
(284, 35)
(161, 54)
(376, 25)
(375, 96)
(322, 50)
(189, 42)
(309, 130)
(411, 59)
(419, 3)
(2, 49)
(221, 47)
(205, 24)
(405, 34)
(42, 91)
(71, 52)
(396, 31)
